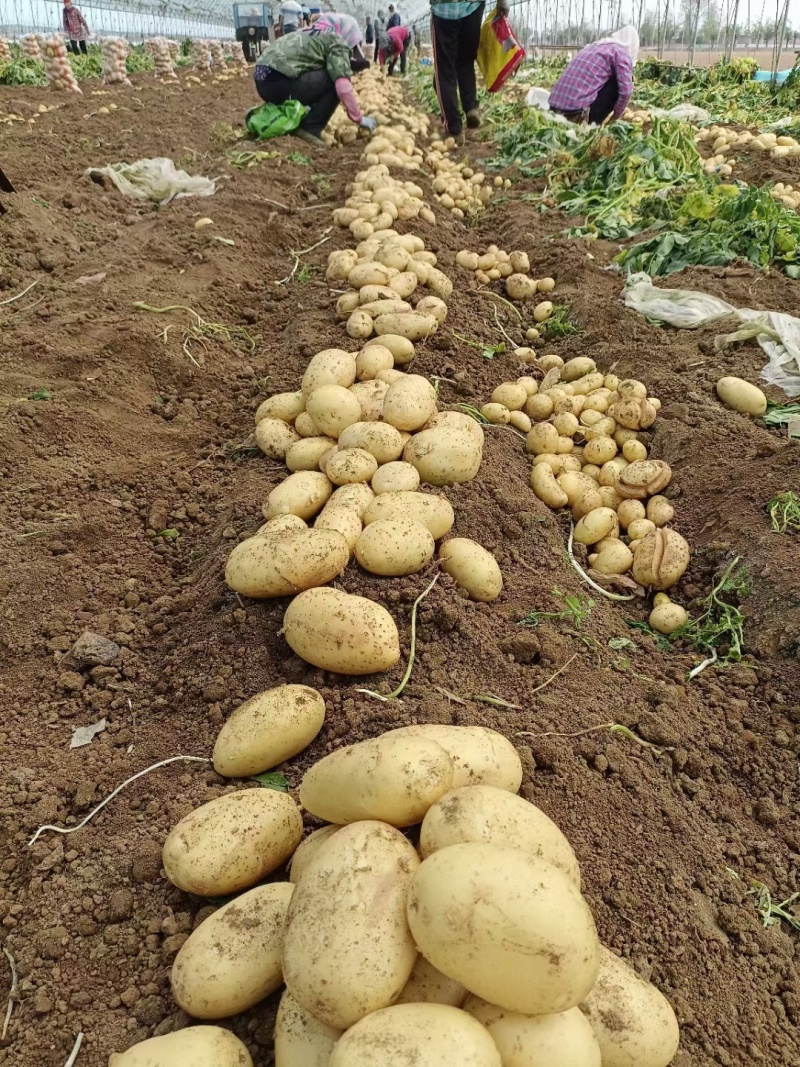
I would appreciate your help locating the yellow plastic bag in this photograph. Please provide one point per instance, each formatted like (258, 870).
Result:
(499, 53)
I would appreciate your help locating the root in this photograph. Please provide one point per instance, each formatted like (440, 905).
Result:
(12, 993)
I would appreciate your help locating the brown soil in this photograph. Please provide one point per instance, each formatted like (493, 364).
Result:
(136, 439)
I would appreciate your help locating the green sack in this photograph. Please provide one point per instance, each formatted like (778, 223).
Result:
(274, 120)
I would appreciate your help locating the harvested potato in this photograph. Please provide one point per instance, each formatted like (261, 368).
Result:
(232, 842)
(444, 455)
(661, 559)
(633, 1021)
(426, 1035)
(467, 260)
(577, 367)
(543, 438)
(268, 729)
(269, 566)
(394, 547)
(519, 262)
(281, 526)
(544, 484)
(333, 408)
(480, 756)
(304, 455)
(357, 496)
(642, 479)
(600, 523)
(473, 567)
(404, 283)
(395, 477)
(457, 420)
(372, 359)
(304, 425)
(381, 440)
(543, 960)
(195, 1046)
(520, 421)
(307, 850)
(539, 407)
(565, 1039)
(512, 395)
(283, 406)
(659, 510)
(520, 287)
(301, 1040)
(741, 396)
(232, 960)
(351, 465)
(429, 986)
(432, 305)
(341, 263)
(629, 511)
(275, 437)
(413, 325)
(370, 396)
(373, 308)
(497, 414)
(332, 366)
(344, 519)
(341, 633)
(368, 274)
(543, 310)
(347, 948)
(432, 511)
(667, 618)
(359, 325)
(409, 402)
(615, 558)
(347, 304)
(640, 528)
(401, 348)
(496, 817)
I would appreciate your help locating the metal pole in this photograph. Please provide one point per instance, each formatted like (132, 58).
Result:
(694, 33)
(780, 33)
(732, 31)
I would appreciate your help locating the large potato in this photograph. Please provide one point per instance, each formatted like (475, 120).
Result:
(307, 850)
(372, 359)
(740, 395)
(303, 494)
(409, 402)
(268, 729)
(457, 420)
(401, 348)
(275, 437)
(301, 1040)
(394, 547)
(474, 569)
(232, 842)
(496, 817)
(414, 325)
(305, 454)
(480, 756)
(333, 366)
(561, 1040)
(263, 567)
(342, 633)
(425, 1035)
(397, 477)
(444, 456)
(333, 408)
(357, 496)
(429, 986)
(514, 930)
(394, 778)
(435, 512)
(350, 465)
(347, 947)
(283, 406)
(633, 1021)
(382, 441)
(196, 1046)
(233, 959)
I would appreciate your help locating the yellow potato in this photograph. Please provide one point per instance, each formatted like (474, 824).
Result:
(480, 756)
(497, 414)
(429, 986)
(350, 465)
(394, 547)
(520, 287)
(268, 729)
(333, 408)
(435, 512)
(275, 437)
(667, 618)
(473, 567)
(301, 1040)
(597, 524)
(629, 511)
(344, 518)
(283, 406)
(395, 477)
(332, 366)
(196, 1046)
(659, 510)
(444, 455)
(347, 947)
(307, 850)
(457, 420)
(232, 842)
(304, 455)
(565, 1039)
(302, 494)
(372, 359)
(340, 632)
(741, 396)
(513, 929)
(544, 484)
(357, 496)
(264, 567)
(498, 817)
(368, 274)
(401, 348)
(380, 439)
(409, 402)
(404, 283)
(281, 526)
(233, 959)
(413, 325)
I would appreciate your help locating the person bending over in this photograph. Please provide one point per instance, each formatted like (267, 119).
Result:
(399, 37)
(598, 82)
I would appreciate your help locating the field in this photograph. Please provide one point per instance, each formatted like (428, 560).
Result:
(129, 472)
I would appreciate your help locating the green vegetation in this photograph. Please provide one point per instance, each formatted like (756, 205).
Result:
(719, 628)
(772, 913)
(40, 394)
(780, 414)
(298, 159)
(784, 511)
(576, 610)
(272, 780)
(560, 324)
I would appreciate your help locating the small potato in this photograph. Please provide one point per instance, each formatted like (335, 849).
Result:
(232, 960)
(283, 406)
(661, 598)
(413, 325)
(539, 407)
(549, 362)
(496, 414)
(275, 437)
(333, 408)
(404, 283)
(599, 450)
(600, 523)
(520, 262)
(303, 494)
(511, 395)
(351, 465)
(520, 421)
(521, 287)
(429, 986)
(346, 304)
(401, 348)
(631, 389)
(659, 510)
(566, 424)
(524, 354)
(372, 359)
(341, 633)
(544, 484)
(380, 439)
(304, 455)
(268, 729)
(610, 497)
(633, 413)
(444, 455)
(304, 425)
(395, 477)
(196, 1046)
(640, 528)
(629, 511)
(301, 1040)
(667, 618)
(467, 260)
(434, 512)
(617, 558)
(542, 438)
(232, 842)
(307, 850)
(546, 285)
(530, 385)
(409, 402)
(543, 310)
(741, 396)
(473, 567)
(634, 451)
(564, 1039)
(394, 547)
(332, 366)
(341, 263)
(611, 471)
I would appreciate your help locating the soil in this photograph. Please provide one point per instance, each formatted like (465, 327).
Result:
(127, 483)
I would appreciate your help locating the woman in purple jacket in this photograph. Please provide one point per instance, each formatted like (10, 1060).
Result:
(598, 82)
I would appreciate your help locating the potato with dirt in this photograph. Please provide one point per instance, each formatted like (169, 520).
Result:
(195, 1046)
(474, 569)
(301, 1040)
(394, 547)
(340, 632)
(480, 756)
(564, 1039)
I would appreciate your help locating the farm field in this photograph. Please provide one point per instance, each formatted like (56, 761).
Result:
(129, 473)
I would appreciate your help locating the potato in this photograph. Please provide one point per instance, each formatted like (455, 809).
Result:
(341, 633)
(385, 306)
(404, 283)
(542, 438)
(333, 408)
(409, 402)
(599, 523)
(332, 366)
(467, 260)
(233, 959)
(359, 325)
(401, 348)
(429, 986)
(544, 484)
(432, 305)
(413, 325)
(347, 947)
(346, 304)
(629, 511)
(473, 567)
(264, 567)
(304, 455)
(512, 395)
(281, 526)
(357, 496)
(565, 1039)
(379, 439)
(304, 425)
(371, 359)
(196, 1046)
(642, 479)
(542, 311)
(616, 558)
(341, 263)
(667, 618)
(232, 842)
(520, 287)
(301, 1040)
(520, 421)
(301, 494)
(307, 850)
(633, 1021)
(480, 756)
(368, 274)
(513, 929)
(370, 293)
(457, 420)
(444, 455)
(599, 449)
(283, 406)
(497, 414)
(495, 816)
(661, 559)
(394, 547)
(577, 368)
(425, 1035)
(634, 451)
(566, 424)
(432, 511)
(351, 465)
(268, 729)
(395, 477)
(275, 437)
(539, 407)
(519, 262)
(546, 285)
(631, 389)
(640, 528)
(741, 396)
(344, 519)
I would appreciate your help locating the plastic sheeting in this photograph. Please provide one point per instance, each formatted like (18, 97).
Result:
(154, 179)
(777, 334)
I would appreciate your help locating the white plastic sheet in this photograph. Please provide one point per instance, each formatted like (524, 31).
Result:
(683, 112)
(154, 179)
(777, 334)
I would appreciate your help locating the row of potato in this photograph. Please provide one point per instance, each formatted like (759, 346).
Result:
(471, 945)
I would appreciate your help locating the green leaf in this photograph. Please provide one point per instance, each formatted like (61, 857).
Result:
(170, 534)
(272, 780)
(620, 642)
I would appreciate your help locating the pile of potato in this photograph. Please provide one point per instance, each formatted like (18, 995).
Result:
(475, 946)
(458, 188)
(514, 267)
(382, 98)
(376, 201)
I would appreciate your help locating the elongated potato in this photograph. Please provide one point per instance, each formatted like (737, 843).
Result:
(307, 850)
(740, 395)
(414, 325)
(232, 842)
(562, 1040)
(368, 274)
(480, 756)
(444, 456)
(409, 402)
(268, 729)
(275, 437)
(233, 959)
(196, 1046)
(425, 1035)
(496, 817)
(263, 567)
(544, 484)
(633, 1021)
(401, 348)
(301, 1040)
(333, 408)
(514, 930)
(301, 494)
(347, 947)
(283, 406)
(394, 547)
(435, 512)
(342, 633)
(385, 306)
(331, 366)
(474, 569)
